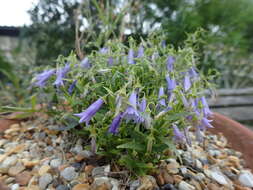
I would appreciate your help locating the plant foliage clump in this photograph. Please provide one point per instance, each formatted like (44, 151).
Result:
(133, 102)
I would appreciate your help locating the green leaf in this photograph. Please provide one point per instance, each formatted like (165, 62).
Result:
(133, 145)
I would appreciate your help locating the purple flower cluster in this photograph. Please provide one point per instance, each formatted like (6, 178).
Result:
(43, 77)
(60, 74)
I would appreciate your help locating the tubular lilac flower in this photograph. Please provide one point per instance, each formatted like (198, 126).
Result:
(85, 63)
(86, 115)
(131, 112)
(115, 124)
(43, 77)
(187, 82)
(171, 83)
(170, 62)
(140, 52)
(207, 112)
(110, 61)
(130, 57)
(206, 122)
(143, 105)
(193, 72)
(178, 135)
(103, 50)
(161, 100)
(71, 87)
(60, 74)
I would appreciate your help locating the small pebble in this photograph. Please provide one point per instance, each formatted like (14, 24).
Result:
(69, 173)
(45, 180)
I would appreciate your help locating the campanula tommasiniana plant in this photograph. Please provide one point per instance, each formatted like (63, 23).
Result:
(132, 102)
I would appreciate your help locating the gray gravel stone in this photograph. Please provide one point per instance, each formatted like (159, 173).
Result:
(246, 178)
(55, 163)
(45, 180)
(7, 163)
(62, 187)
(15, 186)
(218, 177)
(69, 173)
(134, 184)
(185, 186)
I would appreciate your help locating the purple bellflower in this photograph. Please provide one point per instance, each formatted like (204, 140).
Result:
(86, 115)
(85, 63)
(103, 50)
(110, 61)
(207, 112)
(130, 57)
(161, 100)
(43, 77)
(143, 105)
(178, 135)
(170, 62)
(206, 123)
(60, 74)
(194, 105)
(193, 72)
(171, 83)
(140, 52)
(115, 124)
(187, 83)
(71, 87)
(131, 112)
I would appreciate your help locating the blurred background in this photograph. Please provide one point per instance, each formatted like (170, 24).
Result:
(33, 33)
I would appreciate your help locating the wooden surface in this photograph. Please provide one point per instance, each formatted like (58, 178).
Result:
(234, 103)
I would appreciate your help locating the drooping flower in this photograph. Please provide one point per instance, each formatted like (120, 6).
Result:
(178, 135)
(130, 57)
(193, 72)
(170, 62)
(115, 124)
(143, 105)
(187, 82)
(161, 100)
(140, 52)
(131, 112)
(110, 61)
(85, 63)
(103, 50)
(43, 77)
(207, 112)
(60, 74)
(71, 87)
(87, 114)
(171, 83)
(194, 105)
(206, 122)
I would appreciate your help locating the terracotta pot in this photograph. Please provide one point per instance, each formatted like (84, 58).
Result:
(239, 137)
(8, 120)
